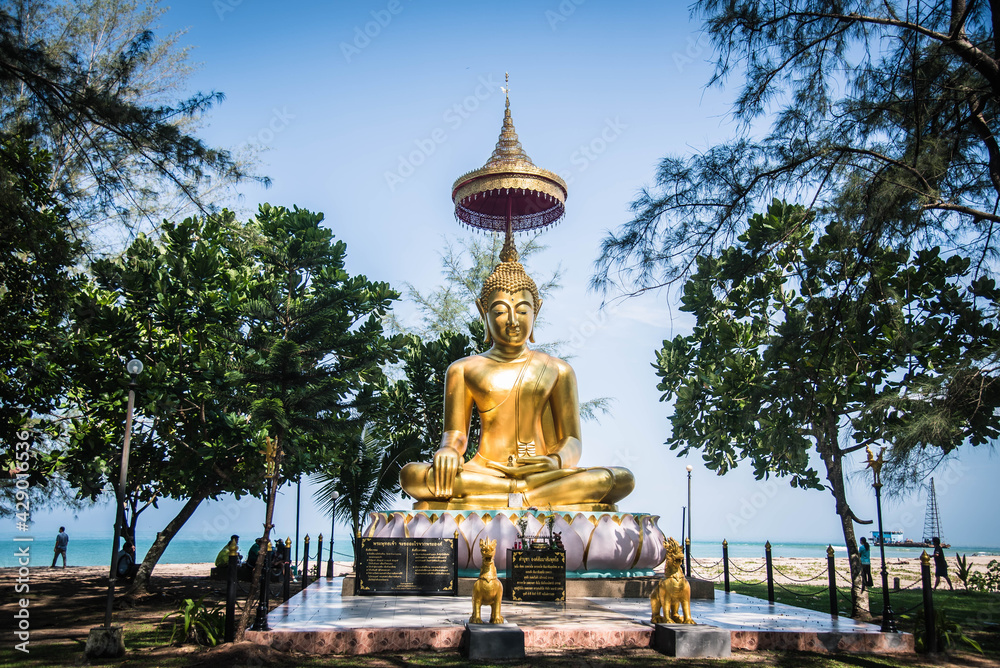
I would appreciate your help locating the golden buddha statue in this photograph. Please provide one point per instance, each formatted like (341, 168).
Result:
(530, 415)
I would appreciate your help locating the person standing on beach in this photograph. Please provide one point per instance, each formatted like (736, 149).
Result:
(62, 541)
(865, 552)
(940, 564)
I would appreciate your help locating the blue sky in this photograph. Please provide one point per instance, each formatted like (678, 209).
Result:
(368, 111)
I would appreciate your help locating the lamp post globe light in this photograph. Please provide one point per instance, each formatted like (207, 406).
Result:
(333, 520)
(105, 641)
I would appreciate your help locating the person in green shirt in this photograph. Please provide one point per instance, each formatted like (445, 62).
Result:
(254, 551)
(222, 560)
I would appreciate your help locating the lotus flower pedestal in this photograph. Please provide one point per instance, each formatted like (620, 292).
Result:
(597, 544)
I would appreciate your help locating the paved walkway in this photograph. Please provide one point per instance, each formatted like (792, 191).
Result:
(321, 607)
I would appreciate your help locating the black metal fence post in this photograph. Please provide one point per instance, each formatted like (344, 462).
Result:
(770, 572)
(286, 574)
(305, 564)
(831, 570)
(260, 623)
(930, 626)
(319, 555)
(725, 562)
(231, 576)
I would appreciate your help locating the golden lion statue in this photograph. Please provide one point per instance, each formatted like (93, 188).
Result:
(488, 588)
(673, 592)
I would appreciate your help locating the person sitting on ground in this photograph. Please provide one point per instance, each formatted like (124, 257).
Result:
(248, 564)
(280, 555)
(222, 560)
(254, 553)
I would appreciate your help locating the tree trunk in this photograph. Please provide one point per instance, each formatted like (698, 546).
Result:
(140, 585)
(250, 607)
(829, 450)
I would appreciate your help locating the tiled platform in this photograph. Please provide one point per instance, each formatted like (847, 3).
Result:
(320, 621)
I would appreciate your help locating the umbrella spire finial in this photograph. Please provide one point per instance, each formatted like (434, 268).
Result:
(509, 193)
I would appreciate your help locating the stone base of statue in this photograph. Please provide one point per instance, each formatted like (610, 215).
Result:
(688, 641)
(597, 543)
(493, 642)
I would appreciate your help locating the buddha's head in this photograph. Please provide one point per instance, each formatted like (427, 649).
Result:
(509, 301)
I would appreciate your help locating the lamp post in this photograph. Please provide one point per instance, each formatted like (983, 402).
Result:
(875, 464)
(333, 519)
(687, 543)
(298, 502)
(134, 368)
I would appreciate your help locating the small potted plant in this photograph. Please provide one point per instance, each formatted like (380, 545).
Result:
(522, 528)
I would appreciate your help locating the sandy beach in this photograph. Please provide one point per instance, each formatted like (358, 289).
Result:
(787, 570)
(801, 570)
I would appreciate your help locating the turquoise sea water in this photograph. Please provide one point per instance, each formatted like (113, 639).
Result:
(84, 551)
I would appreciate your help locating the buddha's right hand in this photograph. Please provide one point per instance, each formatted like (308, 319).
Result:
(447, 464)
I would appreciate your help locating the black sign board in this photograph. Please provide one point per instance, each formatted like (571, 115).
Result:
(424, 566)
(536, 575)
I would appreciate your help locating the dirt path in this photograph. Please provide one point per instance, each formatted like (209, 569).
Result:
(66, 603)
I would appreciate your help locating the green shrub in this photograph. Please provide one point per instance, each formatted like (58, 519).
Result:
(949, 633)
(198, 623)
(963, 570)
(988, 581)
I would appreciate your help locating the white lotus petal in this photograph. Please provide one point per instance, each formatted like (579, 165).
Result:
(417, 525)
(653, 552)
(609, 546)
(394, 528)
(571, 542)
(503, 531)
(468, 537)
(375, 522)
(583, 527)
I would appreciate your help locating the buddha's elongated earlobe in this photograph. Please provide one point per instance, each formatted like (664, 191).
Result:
(538, 307)
(486, 325)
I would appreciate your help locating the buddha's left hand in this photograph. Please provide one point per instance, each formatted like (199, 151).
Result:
(527, 466)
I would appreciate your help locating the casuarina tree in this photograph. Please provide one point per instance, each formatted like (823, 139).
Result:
(806, 346)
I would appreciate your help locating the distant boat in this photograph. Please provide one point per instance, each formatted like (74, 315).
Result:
(932, 528)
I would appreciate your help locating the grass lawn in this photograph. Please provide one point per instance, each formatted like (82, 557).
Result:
(68, 605)
(978, 613)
